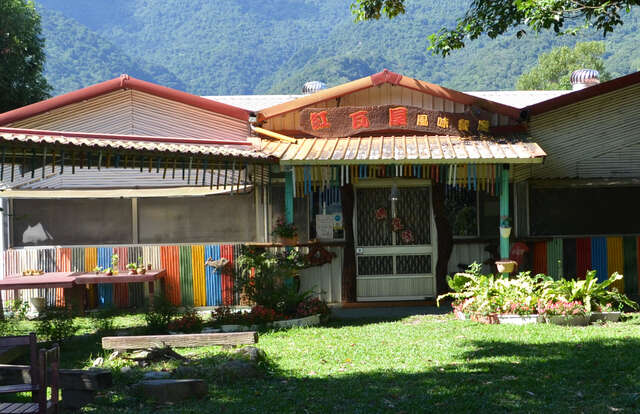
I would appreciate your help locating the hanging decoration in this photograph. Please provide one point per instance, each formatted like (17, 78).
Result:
(396, 224)
(381, 214)
(407, 236)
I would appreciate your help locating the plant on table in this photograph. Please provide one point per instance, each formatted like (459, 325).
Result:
(115, 261)
(132, 268)
(56, 324)
(284, 230)
(97, 270)
(140, 269)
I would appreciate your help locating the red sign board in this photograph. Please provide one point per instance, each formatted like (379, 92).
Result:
(351, 120)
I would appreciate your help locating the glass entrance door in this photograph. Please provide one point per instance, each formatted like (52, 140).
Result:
(394, 252)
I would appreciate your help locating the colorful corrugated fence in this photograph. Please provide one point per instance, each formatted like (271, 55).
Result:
(573, 257)
(188, 283)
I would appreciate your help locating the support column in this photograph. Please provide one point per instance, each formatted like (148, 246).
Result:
(504, 210)
(288, 197)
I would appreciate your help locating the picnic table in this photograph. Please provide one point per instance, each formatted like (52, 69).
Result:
(75, 283)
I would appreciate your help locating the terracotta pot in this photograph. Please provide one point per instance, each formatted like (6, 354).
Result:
(506, 266)
(149, 266)
(487, 319)
(142, 270)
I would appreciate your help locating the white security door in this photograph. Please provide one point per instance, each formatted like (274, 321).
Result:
(394, 252)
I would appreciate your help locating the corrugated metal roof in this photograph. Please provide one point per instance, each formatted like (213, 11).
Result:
(404, 150)
(253, 103)
(518, 99)
(157, 144)
(123, 193)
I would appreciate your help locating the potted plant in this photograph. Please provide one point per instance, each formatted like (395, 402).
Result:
(148, 266)
(286, 232)
(115, 260)
(564, 313)
(97, 270)
(518, 313)
(108, 271)
(506, 266)
(141, 269)
(132, 268)
(505, 227)
(605, 313)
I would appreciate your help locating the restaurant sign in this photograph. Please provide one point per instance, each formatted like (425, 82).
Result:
(351, 120)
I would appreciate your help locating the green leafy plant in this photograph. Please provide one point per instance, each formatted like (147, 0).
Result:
(268, 279)
(284, 229)
(189, 322)
(56, 324)
(158, 316)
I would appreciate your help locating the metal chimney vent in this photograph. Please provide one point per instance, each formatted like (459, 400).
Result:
(313, 87)
(583, 78)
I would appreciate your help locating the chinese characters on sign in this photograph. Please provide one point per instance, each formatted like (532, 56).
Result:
(349, 120)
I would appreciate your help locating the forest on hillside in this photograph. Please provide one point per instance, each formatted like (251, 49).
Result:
(274, 46)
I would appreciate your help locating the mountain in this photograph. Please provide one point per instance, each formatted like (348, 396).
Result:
(274, 46)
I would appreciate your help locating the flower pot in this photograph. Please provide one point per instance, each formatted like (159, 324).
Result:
(506, 266)
(569, 320)
(491, 319)
(604, 317)
(299, 322)
(289, 241)
(513, 319)
(460, 315)
(149, 266)
(133, 272)
(505, 232)
(141, 270)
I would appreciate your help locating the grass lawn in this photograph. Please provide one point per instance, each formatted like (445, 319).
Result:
(419, 364)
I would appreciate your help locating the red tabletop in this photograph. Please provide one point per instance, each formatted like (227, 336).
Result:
(93, 279)
(47, 280)
(71, 279)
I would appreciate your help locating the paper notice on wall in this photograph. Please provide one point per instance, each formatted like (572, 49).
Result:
(329, 226)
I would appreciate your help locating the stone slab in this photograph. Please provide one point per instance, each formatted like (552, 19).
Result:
(173, 390)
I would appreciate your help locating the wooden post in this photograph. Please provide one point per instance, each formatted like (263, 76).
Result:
(504, 209)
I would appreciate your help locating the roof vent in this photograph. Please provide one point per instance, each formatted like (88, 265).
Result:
(313, 87)
(583, 78)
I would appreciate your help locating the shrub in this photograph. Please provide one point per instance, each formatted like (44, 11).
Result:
(56, 324)
(313, 306)
(190, 322)
(102, 319)
(158, 317)
(268, 279)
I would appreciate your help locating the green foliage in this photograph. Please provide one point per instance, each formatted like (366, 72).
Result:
(158, 316)
(494, 18)
(103, 319)
(588, 291)
(56, 325)
(553, 70)
(189, 322)
(21, 55)
(267, 279)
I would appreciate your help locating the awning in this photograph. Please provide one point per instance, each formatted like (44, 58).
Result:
(125, 193)
(404, 150)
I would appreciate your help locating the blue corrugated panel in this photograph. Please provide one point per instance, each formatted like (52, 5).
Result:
(599, 257)
(105, 291)
(212, 277)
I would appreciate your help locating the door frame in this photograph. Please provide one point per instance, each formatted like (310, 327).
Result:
(371, 250)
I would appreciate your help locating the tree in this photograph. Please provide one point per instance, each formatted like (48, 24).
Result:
(21, 55)
(553, 70)
(496, 17)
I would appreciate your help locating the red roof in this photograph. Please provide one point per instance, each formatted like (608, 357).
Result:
(386, 76)
(123, 82)
(582, 94)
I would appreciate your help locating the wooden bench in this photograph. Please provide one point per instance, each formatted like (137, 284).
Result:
(40, 381)
(179, 341)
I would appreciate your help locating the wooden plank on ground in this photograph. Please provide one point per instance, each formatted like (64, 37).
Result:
(179, 341)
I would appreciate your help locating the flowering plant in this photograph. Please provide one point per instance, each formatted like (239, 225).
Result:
(190, 322)
(396, 224)
(313, 306)
(381, 214)
(519, 308)
(260, 314)
(284, 229)
(561, 308)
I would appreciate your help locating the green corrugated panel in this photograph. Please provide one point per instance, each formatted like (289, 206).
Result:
(554, 258)
(630, 257)
(186, 276)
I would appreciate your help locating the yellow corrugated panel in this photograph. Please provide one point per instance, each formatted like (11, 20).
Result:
(91, 261)
(615, 259)
(197, 269)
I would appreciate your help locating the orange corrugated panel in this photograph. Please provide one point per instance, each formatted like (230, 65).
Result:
(615, 259)
(63, 264)
(226, 251)
(171, 263)
(540, 257)
(121, 290)
(90, 262)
